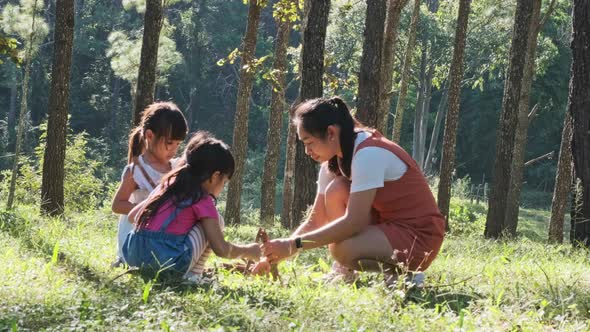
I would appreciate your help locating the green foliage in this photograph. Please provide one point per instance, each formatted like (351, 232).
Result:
(286, 10)
(125, 54)
(344, 44)
(466, 219)
(231, 57)
(17, 20)
(8, 47)
(139, 5)
(83, 190)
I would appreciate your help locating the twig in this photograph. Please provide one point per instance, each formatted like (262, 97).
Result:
(545, 156)
(262, 236)
(547, 14)
(533, 111)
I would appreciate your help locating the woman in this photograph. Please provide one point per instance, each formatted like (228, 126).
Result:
(373, 207)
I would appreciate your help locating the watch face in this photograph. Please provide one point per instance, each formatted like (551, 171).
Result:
(298, 243)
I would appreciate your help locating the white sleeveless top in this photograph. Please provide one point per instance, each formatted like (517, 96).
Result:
(145, 188)
(370, 168)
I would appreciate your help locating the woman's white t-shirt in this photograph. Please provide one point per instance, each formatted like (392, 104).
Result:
(370, 168)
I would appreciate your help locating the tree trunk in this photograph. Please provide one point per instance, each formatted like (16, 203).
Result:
(406, 72)
(23, 110)
(579, 108)
(495, 222)
(425, 116)
(146, 78)
(240, 135)
(440, 115)
(52, 185)
(195, 60)
(563, 181)
(12, 108)
(370, 77)
(419, 114)
(275, 122)
(286, 212)
(394, 9)
(312, 72)
(520, 139)
(576, 208)
(291, 146)
(452, 121)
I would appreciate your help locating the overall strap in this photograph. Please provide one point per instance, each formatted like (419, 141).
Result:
(173, 215)
(137, 162)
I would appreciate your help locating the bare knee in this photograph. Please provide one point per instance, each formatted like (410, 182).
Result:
(343, 255)
(337, 193)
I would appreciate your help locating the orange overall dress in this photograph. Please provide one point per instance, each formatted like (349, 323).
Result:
(405, 210)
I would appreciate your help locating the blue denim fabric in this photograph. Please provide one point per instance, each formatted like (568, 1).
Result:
(157, 253)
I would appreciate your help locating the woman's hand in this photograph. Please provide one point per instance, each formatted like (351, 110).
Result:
(278, 249)
(261, 268)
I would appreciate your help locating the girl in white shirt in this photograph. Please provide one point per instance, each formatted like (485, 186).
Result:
(152, 147)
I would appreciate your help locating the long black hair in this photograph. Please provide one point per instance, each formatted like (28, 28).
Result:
(315, 115)
(164, 119)
(203, 156)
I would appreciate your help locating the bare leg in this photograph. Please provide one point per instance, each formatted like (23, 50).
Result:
(337, 194)
(370, 246)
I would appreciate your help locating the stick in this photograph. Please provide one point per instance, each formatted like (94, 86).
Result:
(262, 236)
(545, 156)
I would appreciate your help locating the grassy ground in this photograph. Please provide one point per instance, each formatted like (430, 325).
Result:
(56, 276)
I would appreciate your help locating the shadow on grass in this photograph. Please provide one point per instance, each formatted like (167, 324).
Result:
(434, 298)
(17, 227)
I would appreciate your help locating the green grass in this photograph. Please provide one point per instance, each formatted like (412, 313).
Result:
(56, 276)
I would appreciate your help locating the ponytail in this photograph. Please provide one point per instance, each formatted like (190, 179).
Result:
(347, 135)
(317, 114)
(203, 156)
(135, 147)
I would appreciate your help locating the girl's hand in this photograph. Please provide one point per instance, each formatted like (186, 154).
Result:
(277, 250)
(261, 268)
(253, 251)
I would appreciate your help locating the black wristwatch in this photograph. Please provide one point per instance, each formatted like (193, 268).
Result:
(298, 243)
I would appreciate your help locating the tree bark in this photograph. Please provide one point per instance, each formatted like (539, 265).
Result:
(370, 76)
(275, 122)
(495, 221)
(425, 116)
(419, 114)
(291, 146)
(563, 181)
(394, 9)
(579, 108)
(12, 108)
(520, 139)
(23, 110)
(52, 184)
(195, 60)
(440, 115)
(312, 71)
(452, 121)
(240, 134)
(146, 78)
(406, 72)
(576, 208)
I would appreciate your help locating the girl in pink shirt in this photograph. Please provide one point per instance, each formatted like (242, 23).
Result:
(178, 225)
